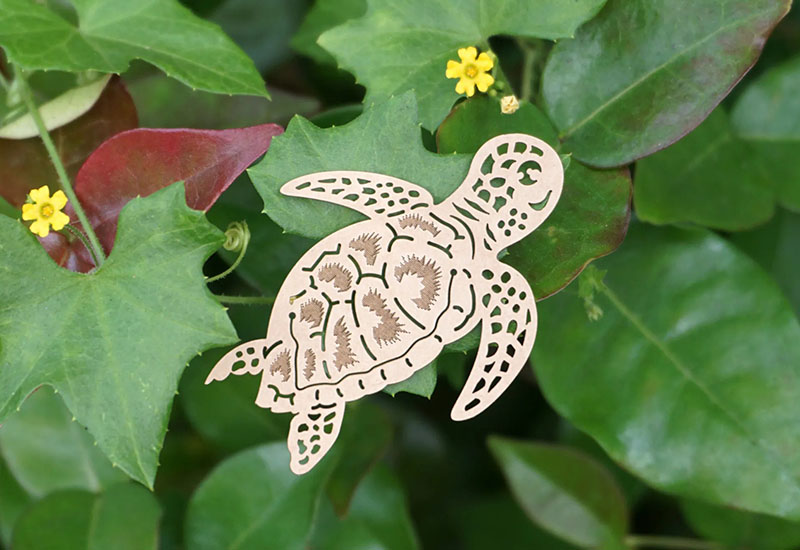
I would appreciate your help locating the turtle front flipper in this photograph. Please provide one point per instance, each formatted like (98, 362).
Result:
(508, 329)
(246, 358)
(312, 433)
(371, 194)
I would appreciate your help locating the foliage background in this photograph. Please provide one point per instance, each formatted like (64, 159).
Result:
(661, 406)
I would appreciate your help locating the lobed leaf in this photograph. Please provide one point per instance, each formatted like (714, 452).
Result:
(113, 343)
(646, 72)
(109, 34)
(689, 377)
(395, 47)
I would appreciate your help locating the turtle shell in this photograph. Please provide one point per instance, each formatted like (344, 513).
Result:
(360, 300)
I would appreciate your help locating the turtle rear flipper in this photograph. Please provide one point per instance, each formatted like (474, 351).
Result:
(312, 433)
(246, 358)
(508, 330)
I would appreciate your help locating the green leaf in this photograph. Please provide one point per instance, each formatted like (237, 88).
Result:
(113, 342)
(400, 46)
(422, 383)
(709, 178)
(767, 115)
(8, 210)
(46, 450)
(13, 501)
(656, 68)
(324, 15)
(591, 217)
(774, 247)
(564, 492)
(124, 517)
(378, 518)
(110, 34)
(384, 139)
(253, 501)
(739, 529)
(688, 378)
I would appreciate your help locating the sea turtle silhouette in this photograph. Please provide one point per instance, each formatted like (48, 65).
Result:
(376, 301)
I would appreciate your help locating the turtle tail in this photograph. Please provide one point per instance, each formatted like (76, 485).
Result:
(247, 358)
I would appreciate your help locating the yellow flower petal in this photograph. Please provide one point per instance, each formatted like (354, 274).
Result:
(29, 212)
(58, 200)
(483, 81)
(467, 55)
(59, 220)
(41, 228)
(454, 69)
(484, 62)
(470, 86)
(41, 194)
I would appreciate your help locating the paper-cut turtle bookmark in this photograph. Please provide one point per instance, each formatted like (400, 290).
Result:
(376, 301)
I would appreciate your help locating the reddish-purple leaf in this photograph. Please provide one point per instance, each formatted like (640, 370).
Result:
(26, 163)
(142, 161)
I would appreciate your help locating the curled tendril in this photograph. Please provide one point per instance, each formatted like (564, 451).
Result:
(236, 236)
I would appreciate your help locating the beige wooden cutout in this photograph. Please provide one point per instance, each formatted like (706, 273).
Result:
(376, 301)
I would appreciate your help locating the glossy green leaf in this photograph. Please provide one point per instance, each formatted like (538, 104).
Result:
(767, 115)
(741, 529)
(378, 518)
(46, 450)
(110, 34)
(121, 335)
(252, 501)
(564, 492)
(688, 377)
(646, 72)
(775, 247)
(124, 517)
(709, 178)
(384, 139)
(592, 215)
(13, 501)
(324, 15)
(8, 210)
(400, 46)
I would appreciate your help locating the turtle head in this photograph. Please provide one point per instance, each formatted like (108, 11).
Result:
(513, 184)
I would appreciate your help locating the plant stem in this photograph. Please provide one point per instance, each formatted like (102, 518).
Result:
(75, 232)
(244, 300)
(671, 543)
(529, 54)
(27, 97)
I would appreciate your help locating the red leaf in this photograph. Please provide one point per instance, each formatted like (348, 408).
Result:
(26, 164)
(142, 161)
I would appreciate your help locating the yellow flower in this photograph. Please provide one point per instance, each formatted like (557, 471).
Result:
(46, 210)
(471, 72)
